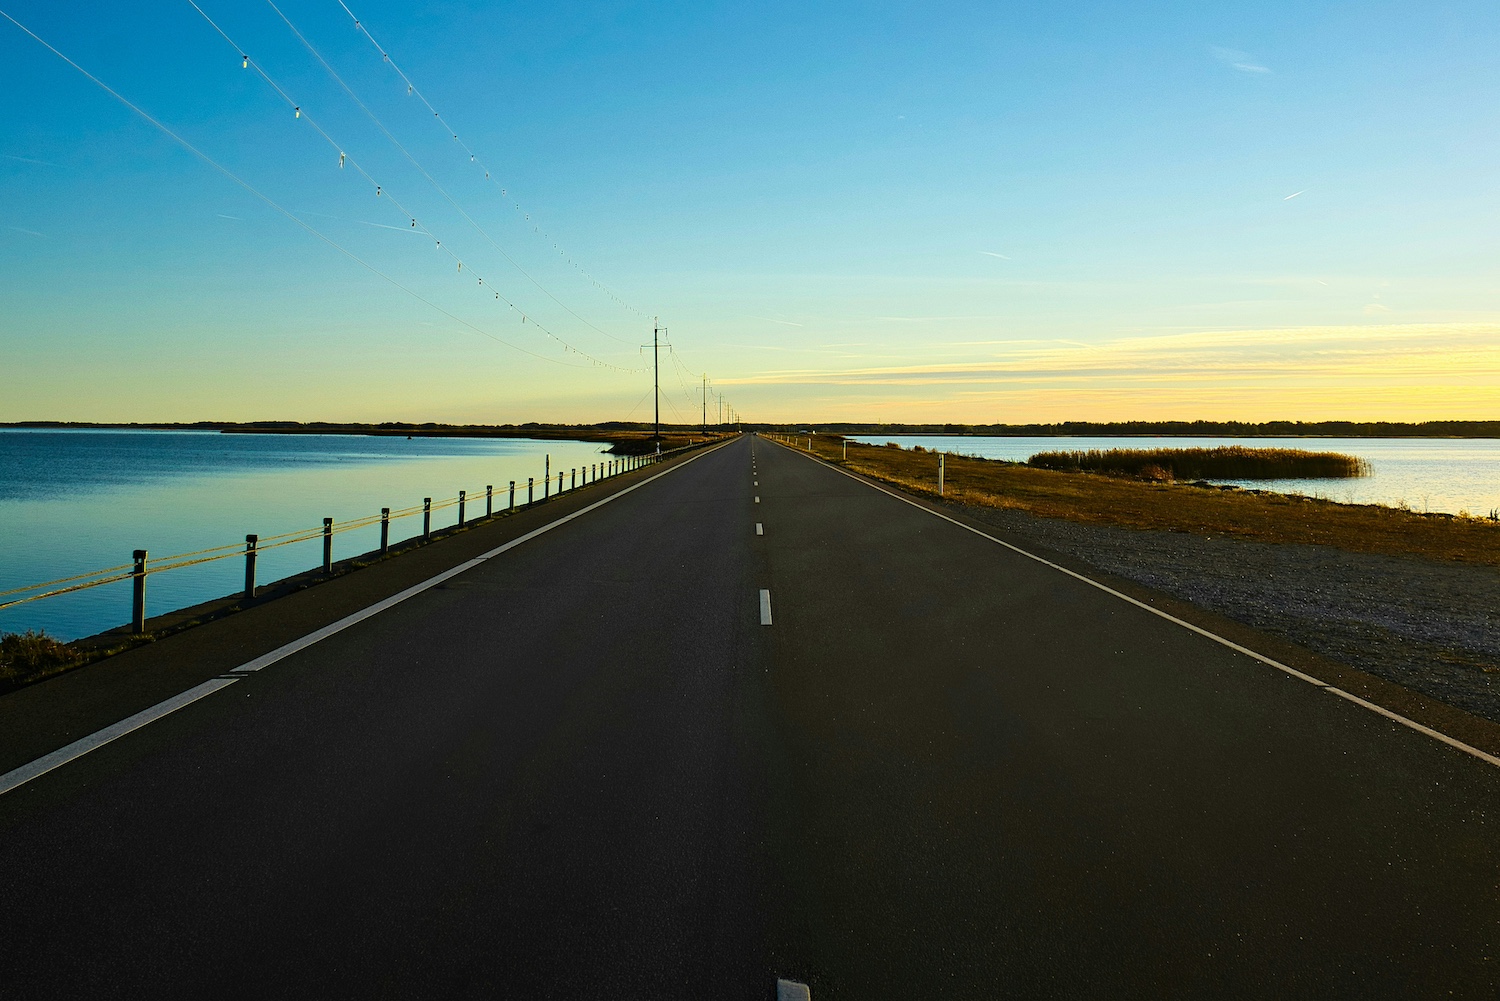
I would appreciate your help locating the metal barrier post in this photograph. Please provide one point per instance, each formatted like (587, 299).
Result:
(461, 509)
(846, 449)
(426, 517)
(572, 483)
(512, 495)
(385, 530)
(940, 474)
(138, 599)
(546, 477)
(530, 484)
(250, 542)
(489, 500)
(327, 545)
(559, 481)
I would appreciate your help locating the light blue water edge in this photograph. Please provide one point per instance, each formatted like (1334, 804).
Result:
(75, 501)
(1452, 475)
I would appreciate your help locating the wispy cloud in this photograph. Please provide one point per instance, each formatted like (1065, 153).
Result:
(1424, 358)
(991, 253)
(26, 159)
(772, 319)
(234, 218)
(28, 232)
(1234, 59)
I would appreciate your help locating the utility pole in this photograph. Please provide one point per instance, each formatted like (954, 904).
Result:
(656, 331)
(705, 402)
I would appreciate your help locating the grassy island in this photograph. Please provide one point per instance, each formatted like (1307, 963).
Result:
(1233, 462)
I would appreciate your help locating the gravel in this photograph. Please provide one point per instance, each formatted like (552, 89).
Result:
(1429, 626)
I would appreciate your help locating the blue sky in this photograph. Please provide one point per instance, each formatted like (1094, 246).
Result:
(902, 212)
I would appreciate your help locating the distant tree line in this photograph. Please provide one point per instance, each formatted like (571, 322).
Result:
(1197, 429)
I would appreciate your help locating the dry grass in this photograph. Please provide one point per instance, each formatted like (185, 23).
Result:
(1099, 499)
(1231, 462)
(31, 656)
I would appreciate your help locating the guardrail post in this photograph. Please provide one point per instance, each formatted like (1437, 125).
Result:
(489, 500)
(546, 477)
(559, 481)
(385, 530)
(138, 599)
(940, 474)
(530, 483)
(573, 482)
(846, 449)
(426, 518)
(327, 545)
(512, 495)
(461, 509)
(250, 543)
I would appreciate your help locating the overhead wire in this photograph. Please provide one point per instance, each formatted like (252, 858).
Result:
(437, 186)
(226, 172)
(247, 62)
(413, 89)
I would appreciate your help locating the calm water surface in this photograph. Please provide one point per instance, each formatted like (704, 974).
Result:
(73, 501)
(1426, 474)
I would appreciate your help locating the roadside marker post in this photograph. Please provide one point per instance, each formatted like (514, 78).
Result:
(138, 597)
(489, 500)
(530, 490)
(250, 543)
(385, 530)
(940, 474)
(426, 518)
(512, 495)
(327, 545)
(461, 509)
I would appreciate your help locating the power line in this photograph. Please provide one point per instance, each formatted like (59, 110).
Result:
(265, 198)
(423, 170)
(381, 191)
(412, 89)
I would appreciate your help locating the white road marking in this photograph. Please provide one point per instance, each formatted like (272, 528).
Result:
(47, 762)
(757, 498)
(765, 607)
(1237, 648)
(791, 990)
(61, 756)
(760, 529)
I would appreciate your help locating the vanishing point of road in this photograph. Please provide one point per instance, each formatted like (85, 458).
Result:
(750, 718)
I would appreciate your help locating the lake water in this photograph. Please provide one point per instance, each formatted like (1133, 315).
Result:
(75, 501)
(1426, 474)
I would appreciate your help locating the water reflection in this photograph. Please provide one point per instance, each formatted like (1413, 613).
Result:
(74, 501)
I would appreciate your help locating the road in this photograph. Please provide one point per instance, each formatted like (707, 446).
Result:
(587, 769)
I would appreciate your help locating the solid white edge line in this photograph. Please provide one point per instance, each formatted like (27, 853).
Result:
(1269, 662)
(41, 766)
(34, 769)
(765, 607)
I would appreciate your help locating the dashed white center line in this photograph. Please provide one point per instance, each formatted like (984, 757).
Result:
(765, 607)
(760, 529)
(757, 498)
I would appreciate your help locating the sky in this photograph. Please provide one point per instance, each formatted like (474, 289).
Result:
(952, 212)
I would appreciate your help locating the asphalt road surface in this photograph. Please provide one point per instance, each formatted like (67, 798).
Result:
(588, 769)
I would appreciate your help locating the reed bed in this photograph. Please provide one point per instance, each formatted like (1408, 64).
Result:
(1230, 462)
(1174, 506)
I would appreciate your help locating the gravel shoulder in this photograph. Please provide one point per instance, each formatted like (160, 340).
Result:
(1432, 627)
